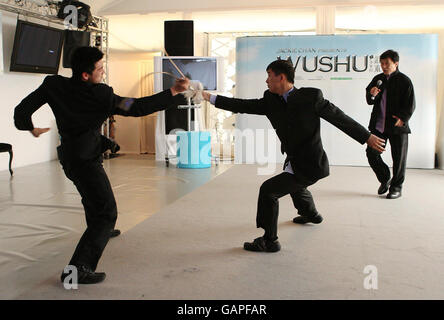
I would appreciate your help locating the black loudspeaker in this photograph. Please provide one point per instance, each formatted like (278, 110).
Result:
(74, 40)
(179, 41)
(179, 37)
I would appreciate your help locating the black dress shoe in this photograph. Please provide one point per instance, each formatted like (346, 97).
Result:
(86, 276)
(394, 194)
(304, 219)
(262, 245)
(383, 188)
(114, 233)
(115, 148)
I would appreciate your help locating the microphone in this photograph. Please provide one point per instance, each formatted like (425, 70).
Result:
(378, 85)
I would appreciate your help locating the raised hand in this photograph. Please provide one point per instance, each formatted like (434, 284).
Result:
(375, 91)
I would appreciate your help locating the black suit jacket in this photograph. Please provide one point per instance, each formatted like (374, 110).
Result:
(297, 124)
(400, 102)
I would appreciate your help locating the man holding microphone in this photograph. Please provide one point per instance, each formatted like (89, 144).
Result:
(392, 96)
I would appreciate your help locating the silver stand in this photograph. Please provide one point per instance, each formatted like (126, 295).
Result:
(188, 106)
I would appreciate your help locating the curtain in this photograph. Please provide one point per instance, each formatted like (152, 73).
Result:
(147, 123)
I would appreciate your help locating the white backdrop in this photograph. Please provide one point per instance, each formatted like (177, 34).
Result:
(344, 83)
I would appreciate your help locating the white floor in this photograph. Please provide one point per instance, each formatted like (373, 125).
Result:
(42, 218)
(192, 247)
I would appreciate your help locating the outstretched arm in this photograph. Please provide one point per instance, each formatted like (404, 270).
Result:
(339, 119)
(132, 107)
(250, 106)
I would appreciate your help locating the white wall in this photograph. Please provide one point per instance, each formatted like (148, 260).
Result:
(14, 86)
(1, 46)
(145, 33)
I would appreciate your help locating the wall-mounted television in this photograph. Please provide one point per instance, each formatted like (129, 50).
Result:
(207, 70)
(37, 48)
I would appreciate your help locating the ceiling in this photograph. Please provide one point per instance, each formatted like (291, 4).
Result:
(137, 25)
(119, 7)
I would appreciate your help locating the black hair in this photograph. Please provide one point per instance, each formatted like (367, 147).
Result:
(393, 55)
(84, 60)
(282, 67)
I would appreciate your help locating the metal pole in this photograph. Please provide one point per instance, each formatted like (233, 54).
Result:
(190, 106)
(189, 119)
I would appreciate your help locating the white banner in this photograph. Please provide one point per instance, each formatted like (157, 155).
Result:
(342, 67)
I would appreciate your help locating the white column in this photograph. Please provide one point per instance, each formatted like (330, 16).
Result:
(325, 20)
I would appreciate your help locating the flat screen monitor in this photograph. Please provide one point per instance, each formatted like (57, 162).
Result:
(37, 48)
(207, 70)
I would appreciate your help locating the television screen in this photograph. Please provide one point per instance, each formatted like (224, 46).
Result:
(203, 69)
(36, 49)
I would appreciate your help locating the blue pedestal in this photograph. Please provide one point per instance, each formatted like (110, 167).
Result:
(193, 149)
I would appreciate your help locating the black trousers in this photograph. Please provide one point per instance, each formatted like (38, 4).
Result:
(268, 202)
(91, 181)
(399, 146)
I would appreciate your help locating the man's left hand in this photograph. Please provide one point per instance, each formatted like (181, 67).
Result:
(399, 122)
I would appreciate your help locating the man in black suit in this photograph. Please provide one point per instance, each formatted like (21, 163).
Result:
(80, 105)
(295, 115)
(393, 99)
